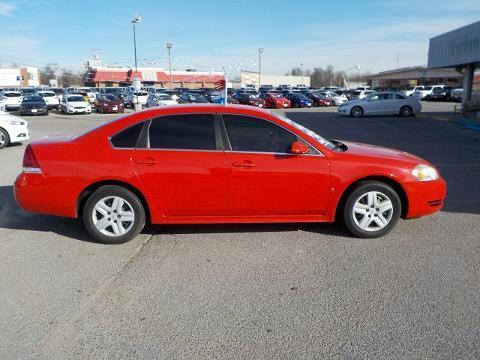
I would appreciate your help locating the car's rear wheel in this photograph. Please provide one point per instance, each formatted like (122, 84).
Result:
(406, 111)
(356, 112)
(4, 138)
(372, 209)
(113, 215)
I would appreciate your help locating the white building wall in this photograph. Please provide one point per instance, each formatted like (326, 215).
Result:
(10, 78)
(33, 77)
(251, 78)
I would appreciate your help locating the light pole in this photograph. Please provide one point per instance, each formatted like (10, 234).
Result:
(169, 47)
(260, 51)
(301, 69)
(136, 84)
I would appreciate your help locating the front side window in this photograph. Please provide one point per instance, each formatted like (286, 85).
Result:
(251, 134)
(183, 132)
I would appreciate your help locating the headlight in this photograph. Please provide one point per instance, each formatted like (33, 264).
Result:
(425, 173)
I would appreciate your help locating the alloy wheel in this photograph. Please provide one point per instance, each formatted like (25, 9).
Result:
(372, 211)
(113, 216)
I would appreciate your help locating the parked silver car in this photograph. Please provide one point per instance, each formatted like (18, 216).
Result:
(382, 103)
(159, 99)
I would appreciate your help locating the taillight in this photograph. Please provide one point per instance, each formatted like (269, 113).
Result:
(30, 162)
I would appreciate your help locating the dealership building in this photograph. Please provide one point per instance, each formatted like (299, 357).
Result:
(19, 77)
(415, 75)
(98, 75)
(460, 49)
(252, 78)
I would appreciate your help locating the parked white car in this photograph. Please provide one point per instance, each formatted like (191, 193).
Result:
(134, 97)
(360, 94)
(12, 129)
(10, 100)
(382, 103)
(159, 99)
(410, 90)
(92, 95)
(335, 99)
(424, 94)
(72, 104)
(50, 98)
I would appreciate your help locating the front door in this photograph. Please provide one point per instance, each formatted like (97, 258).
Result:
(182, 172)
(265, 179)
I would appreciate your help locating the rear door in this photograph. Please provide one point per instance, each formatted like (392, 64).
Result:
(183, 168)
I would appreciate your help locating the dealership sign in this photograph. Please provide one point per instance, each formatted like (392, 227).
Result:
(455, 48)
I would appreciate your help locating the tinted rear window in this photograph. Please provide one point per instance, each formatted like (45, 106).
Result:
(190, 132)
(127, 138)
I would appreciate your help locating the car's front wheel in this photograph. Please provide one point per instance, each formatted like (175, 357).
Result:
(113, 215)
(4, 138)
(372, 209)
(356, 112)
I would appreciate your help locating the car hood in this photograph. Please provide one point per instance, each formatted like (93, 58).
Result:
(78, 103)
(379, 152)
(112, 103)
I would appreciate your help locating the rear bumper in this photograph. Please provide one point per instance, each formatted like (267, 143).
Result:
(34, 193)
(34, 111)
(425, 197)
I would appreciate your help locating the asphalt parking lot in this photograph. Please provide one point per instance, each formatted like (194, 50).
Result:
(252, 291)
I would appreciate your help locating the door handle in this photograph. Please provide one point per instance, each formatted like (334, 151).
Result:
(146, 161)
(245, 164)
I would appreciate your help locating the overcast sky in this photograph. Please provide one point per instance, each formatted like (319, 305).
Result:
(209, 34)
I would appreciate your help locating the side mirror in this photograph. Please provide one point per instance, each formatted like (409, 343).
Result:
(299, 148)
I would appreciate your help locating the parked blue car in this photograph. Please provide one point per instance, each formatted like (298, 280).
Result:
(298, 100)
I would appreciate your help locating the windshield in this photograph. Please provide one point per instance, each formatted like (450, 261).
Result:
(109, 97)
(75, 98)
(12, 94)
(32, 98)
(320, 139)
(47, 94)
(427, 88)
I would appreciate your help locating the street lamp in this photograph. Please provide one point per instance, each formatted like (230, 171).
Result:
(301, 69)
(135, 20)
(169, 47)
(260, 51)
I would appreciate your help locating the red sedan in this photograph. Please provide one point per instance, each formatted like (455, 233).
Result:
(275, 101)
(221, 164)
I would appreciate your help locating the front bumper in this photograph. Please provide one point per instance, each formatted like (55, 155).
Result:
(19, 133)
(425, 197)
(79, 111)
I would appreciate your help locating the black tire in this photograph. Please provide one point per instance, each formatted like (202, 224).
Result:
(406, 111)
(132, 201)
(4, 138)
(362, 189)
(332, 102)
(356, 112)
